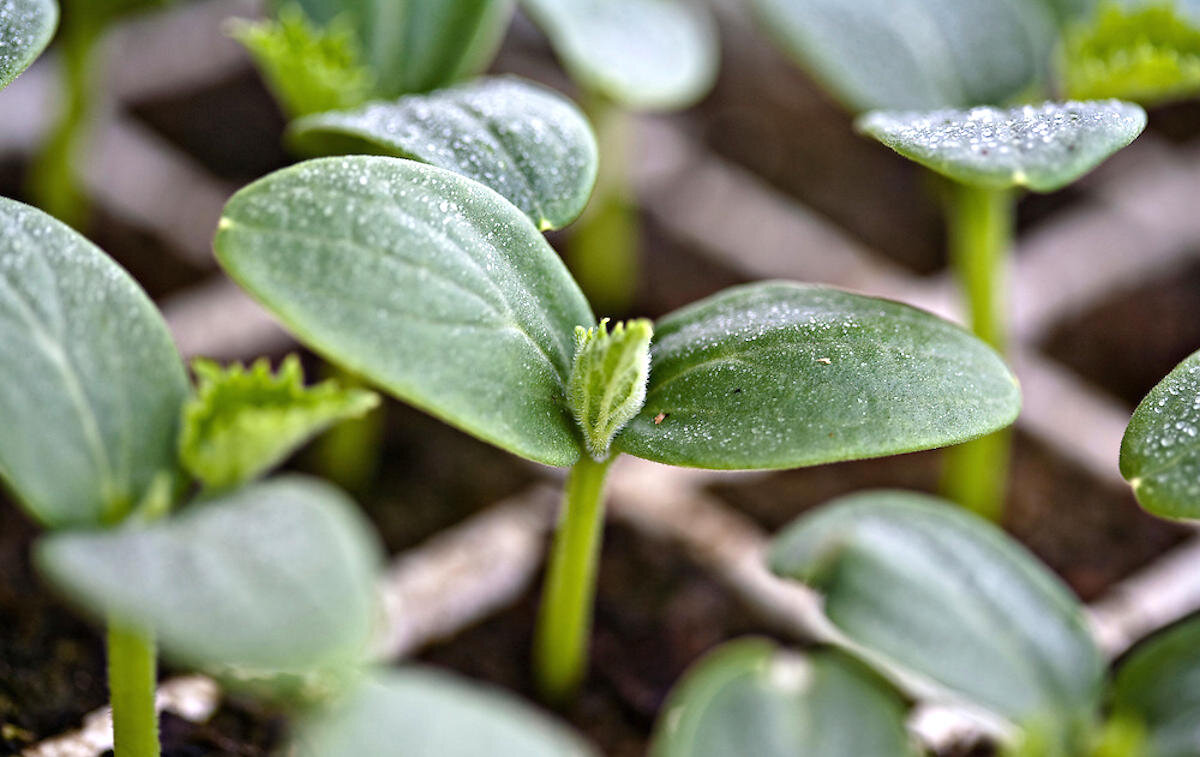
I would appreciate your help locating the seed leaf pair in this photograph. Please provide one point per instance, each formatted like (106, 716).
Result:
(644, 54)
(750, 697)
(942, 597)
(442, 292)
(26, 27)
(528, 143)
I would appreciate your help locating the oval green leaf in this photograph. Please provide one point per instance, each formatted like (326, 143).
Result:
(26, 27)
(418, 712)
(1160, 454)
(90, 382)
(642, 54)
(748, 697)
(420, 45)
(920, 54)
(927, 588)
(1158, 688)
(783, 375)
(277, 578)
(1043, 147)
(428, 284)
(529, 143)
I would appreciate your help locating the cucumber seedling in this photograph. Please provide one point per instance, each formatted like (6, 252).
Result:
(446, 295)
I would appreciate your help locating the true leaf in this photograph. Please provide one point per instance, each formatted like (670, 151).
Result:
(418, 712)
(1043, 147)
(1160, 454)
(419, 45)
(919, 54)
(242, 422)
(749, 697)
(528, 143)
(276, 578)
(782, 375)
(426, 283)
(1158, 687)
(26, 27)
(643, 54)
(92, 383)
(608, 381)
(934, 591)
(1146, 53)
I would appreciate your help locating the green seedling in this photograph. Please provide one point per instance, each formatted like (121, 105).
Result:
(950, 107)
(446, 295)
(950, 610)
(1160, 454)
(26, 27)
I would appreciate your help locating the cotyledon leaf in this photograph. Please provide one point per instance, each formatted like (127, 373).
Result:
(529, 143)
(748, 697)
(429, 284)
(91, 384)
(917, 53)
(1160, 454)
(1158, 688)
(1042, 147)
(940, 593)
(643, 54)
(418, 712)
(26, 27)
(783, 375)
(276, 578)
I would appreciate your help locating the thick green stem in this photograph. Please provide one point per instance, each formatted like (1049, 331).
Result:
(565, 620)
(131, 685)
(603, 249)
(981, 229)
(349, 453)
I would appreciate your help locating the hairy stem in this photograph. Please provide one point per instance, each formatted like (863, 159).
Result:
(131, 684)
(980, 233)
(564, 623)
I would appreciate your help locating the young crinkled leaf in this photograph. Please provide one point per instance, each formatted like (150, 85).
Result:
(90, 381)
(1158, 689)
(1160, 454)
(1148, 53)
(748, 697)
(26, 27)
(417, 712)
(529, 143)
(782, 375)
(424, 282)
(608, 381)
(276, 579)
(923, 587)
(242, 422)
(309, 69)
(642, 54)
(1042, 147)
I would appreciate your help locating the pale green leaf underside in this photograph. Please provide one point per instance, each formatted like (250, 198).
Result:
(783, 375)
(244, 421)
(90, 381)
(1043, 147)
(428, 284)
(916, 54)
(1160, 454)
(1159, 686)
(749, 697)
(643, 54)
(26, 27)
(940, 593)
(275, 578)
(529, 143)
(418, 712)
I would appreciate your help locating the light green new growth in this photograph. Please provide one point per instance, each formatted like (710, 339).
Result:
(243, 421)
(607, 387)
(310, 69)
(1148, 53)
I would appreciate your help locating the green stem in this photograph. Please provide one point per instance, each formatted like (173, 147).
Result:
(349, 453)
(564, 623)
(131, 684)
(981, 225)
